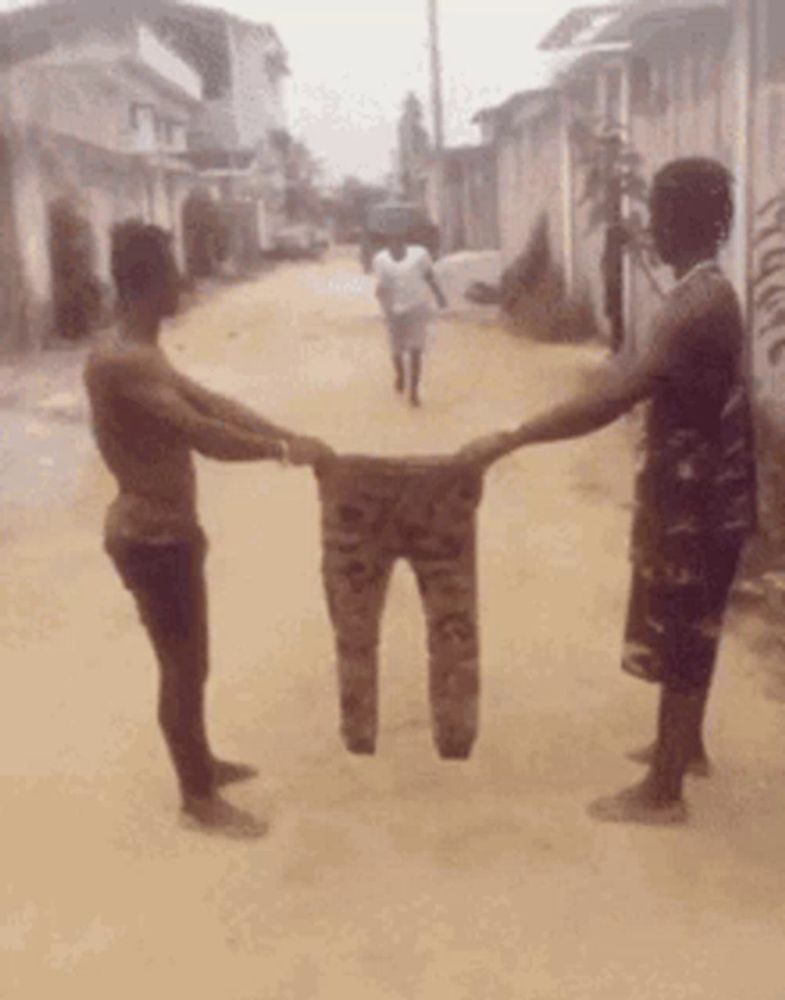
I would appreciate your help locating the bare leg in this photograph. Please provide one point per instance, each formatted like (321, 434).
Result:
(658, 799)
(416, 372)
(400, 372)
(169, 588)
(698, 764)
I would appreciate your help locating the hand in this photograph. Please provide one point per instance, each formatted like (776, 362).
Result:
(304, 450)
(485, 450)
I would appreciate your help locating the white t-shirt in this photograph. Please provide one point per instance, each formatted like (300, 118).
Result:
(404, 280)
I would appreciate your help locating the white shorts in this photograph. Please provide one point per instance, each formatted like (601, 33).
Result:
(408, 331)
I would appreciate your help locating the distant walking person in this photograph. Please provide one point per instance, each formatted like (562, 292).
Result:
(148, 419)
(696, 490)
(405, 281)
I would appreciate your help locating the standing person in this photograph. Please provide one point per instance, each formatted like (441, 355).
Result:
(696, 490)
(405, 276)
(148, 419)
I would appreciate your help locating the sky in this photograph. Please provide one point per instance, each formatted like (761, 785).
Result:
(353, 61)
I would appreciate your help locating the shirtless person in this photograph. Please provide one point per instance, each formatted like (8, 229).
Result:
(696, 491)
(405, 276)
(148, 419)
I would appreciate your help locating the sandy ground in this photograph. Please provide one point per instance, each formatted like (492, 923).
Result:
(398, 877)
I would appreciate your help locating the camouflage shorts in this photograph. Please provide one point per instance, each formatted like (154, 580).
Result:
(673, 632)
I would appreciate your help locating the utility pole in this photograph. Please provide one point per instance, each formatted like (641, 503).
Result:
(436, 76)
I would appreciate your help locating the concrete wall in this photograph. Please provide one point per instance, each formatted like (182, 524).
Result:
(461, 192)
(530, 182)
(684, 103)
(768, 178)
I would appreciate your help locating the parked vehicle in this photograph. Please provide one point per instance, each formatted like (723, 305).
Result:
(301, 242)
(395, 217)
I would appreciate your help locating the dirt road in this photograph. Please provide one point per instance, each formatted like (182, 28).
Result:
(399, 877)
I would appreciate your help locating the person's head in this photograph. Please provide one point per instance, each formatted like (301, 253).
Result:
(691, 204)
(144, 269)
(396, 244)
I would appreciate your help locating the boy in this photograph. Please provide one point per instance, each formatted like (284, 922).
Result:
(148, 419)
(405, 275)
(696, 491)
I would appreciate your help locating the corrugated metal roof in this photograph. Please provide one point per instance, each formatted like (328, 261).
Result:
(579, 25)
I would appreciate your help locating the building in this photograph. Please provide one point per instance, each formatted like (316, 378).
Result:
(461, 192)
(238, 138)
(94, 116)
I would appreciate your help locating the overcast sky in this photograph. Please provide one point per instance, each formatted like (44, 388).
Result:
(353, 61)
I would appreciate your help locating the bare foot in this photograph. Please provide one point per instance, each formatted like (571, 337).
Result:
(699, 766)
(638, 805)
(215, 815)
(227, 772)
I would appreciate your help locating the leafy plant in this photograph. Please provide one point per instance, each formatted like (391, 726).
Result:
(616, 194)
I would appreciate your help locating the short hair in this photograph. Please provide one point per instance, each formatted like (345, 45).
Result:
(697, 194)
(141, 258)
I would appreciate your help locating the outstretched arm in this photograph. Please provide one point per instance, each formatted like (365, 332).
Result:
(162, 400)
(155, 392)
(215, 406)
(618, 392)
(582, 415)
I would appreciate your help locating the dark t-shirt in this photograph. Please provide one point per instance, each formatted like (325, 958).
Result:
(696, 488)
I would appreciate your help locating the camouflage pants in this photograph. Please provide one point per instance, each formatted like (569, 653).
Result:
(672, 634)
(375, 511)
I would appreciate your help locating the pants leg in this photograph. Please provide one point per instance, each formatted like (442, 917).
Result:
(167, 582)
(356, 590)
(444, 561)
(356, 571)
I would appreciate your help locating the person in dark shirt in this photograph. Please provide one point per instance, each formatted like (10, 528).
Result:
(695, 493)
